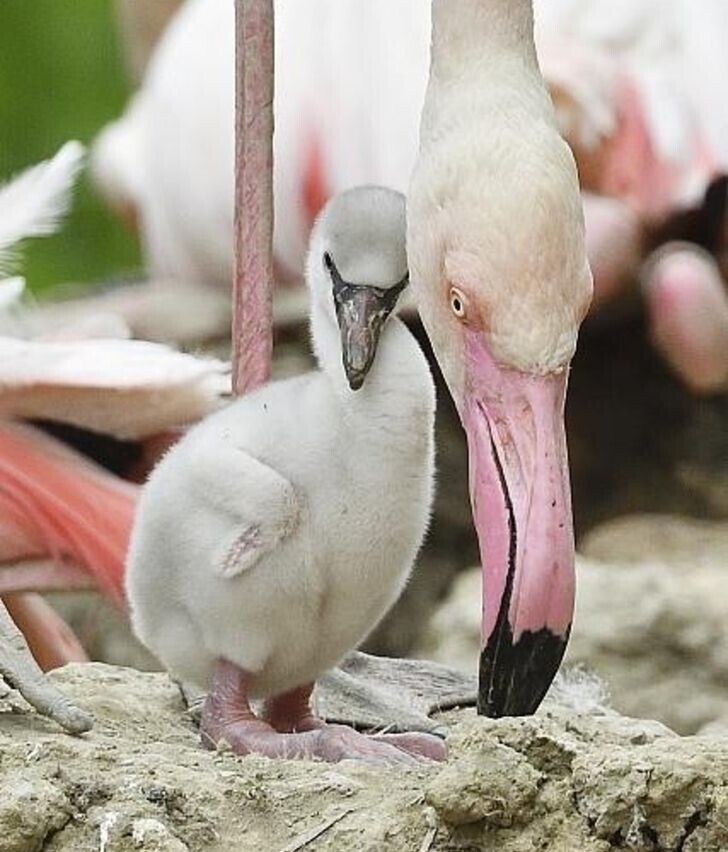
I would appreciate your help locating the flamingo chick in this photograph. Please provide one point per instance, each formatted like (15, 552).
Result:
(272, 539)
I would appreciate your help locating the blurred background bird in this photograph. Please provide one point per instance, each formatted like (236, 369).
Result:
(64, 519)
(649, 131)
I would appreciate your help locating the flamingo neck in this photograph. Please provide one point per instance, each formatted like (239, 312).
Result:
(468, 33)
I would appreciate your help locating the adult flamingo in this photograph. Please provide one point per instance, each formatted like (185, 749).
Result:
(475, 315)
(497, 254)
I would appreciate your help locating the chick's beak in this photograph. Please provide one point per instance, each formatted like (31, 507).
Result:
(361, 313)
(520, 494)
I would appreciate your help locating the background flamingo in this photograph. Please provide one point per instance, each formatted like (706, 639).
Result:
(56, 505)
(648, 130)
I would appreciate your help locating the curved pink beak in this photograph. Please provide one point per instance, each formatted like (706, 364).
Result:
(520, 494)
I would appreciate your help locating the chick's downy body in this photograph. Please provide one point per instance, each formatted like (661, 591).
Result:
(280, 530)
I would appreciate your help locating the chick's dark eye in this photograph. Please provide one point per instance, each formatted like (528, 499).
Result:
(328, 261)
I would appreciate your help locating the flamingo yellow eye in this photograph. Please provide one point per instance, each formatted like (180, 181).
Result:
(458, 303)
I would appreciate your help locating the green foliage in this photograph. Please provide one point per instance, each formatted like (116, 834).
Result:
(61, 77)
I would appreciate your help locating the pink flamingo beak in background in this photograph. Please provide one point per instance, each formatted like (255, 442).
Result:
(521, 500)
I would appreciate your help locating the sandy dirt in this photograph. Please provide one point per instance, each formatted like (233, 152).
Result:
(560, 781)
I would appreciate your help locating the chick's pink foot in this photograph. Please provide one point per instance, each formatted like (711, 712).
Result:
(292, 712)
(291, 731)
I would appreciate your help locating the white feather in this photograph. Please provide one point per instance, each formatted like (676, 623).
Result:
(130, 389)
(126, 388)
(580, 691)
(350, 80)
(351, 75)
(33, 203)
(11, 289)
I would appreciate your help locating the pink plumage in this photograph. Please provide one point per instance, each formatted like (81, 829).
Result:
(64, 521)
(687, 307)
(55, 503)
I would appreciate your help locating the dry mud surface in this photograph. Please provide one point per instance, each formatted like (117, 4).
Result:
(558, 781)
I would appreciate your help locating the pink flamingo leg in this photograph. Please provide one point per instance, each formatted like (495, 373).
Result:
(253, 284)
(292, 712)
(50, 639)
(43, 576)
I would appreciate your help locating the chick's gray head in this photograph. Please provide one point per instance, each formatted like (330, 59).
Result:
(357, 268)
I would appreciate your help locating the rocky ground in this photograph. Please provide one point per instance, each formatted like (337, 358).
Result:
(564, 781)
(652, 622)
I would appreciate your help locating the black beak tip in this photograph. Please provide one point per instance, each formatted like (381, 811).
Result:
(356, 380)
(514, 678)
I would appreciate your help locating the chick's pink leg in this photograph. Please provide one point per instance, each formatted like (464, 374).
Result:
(228, 716)
(292, 712)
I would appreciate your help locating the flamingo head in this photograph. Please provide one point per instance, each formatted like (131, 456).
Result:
(503, 283)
